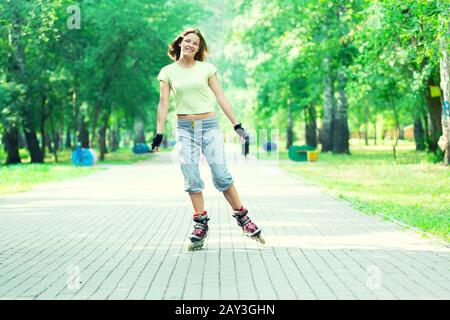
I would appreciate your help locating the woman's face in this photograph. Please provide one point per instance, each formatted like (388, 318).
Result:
(190, 44)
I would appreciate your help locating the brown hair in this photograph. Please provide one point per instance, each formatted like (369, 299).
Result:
(175, 50)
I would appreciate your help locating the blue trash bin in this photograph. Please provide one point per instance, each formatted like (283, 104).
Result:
(269, 146)
(83, 156)
(139, 148)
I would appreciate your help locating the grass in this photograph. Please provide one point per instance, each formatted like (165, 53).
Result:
(24, 176)
(411, 190)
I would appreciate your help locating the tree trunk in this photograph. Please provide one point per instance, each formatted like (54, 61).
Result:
(22, 141)
(444, 140)
(4, 143)
(397, 125)
(114, 138)
(55, 138)
(366, 126)
(375, 134)
(102, 142)
(83, 136)
(68, 139)
(310, 126)
(419, 134)
(44, 135)
(426, 126)
(60, 143)
(109, 138)
(290, 131)
(127, 138)
(32, 141)
(20, 70)
(340, 127)
(12, 145)
(140, 134)
(326, 134)
(48, 142)
(43, 142)
(434, 110)
(102, 134)
(75, 112)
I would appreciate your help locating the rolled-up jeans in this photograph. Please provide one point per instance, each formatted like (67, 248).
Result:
(193, 136)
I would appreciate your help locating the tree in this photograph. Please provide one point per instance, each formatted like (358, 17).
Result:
(82, 81)
(444, 140)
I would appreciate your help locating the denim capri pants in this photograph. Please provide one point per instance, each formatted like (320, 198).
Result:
(193, 136)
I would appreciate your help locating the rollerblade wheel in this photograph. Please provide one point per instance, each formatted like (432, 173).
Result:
(194, 246)
(257, 238)
(260, 239)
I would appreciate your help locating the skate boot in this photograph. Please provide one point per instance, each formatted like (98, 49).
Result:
(198, 236)
(248, 227)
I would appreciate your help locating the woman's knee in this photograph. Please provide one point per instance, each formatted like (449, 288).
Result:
(223, 182)
(192, 179)
(192, 189)
(193, 185)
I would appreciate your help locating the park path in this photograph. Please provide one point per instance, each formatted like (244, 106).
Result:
(122, 233)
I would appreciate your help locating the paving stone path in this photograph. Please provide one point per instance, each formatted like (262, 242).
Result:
(121, 233)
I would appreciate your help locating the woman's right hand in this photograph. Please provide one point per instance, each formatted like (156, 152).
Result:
(157, 141)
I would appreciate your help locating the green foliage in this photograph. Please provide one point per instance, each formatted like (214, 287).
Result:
(388, 49)
(436, 157)
(104, 71)
(271, 50)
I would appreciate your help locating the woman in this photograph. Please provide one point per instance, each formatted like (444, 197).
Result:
(191, 80)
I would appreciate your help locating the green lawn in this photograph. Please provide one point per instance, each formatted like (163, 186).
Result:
(23, 177)
(412, 190)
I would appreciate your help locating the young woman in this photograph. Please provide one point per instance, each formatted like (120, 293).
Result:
(191, 80)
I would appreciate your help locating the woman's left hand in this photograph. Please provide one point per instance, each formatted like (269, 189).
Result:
(240, 131)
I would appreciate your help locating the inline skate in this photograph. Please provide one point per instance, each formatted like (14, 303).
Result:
(249, 228)
(200, 232)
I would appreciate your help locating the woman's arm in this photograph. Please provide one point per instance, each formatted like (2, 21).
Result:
(221, 99)
(163, 106)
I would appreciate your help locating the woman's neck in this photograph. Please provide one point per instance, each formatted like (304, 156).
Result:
(186, 62)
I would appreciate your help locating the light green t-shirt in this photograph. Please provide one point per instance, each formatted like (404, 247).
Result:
(190, 86)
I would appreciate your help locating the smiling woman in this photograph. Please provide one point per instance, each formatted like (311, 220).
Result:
(191, 42)
(192, 81)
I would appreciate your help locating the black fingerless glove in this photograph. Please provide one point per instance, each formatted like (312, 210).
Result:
(157, 140)
(240, 131)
